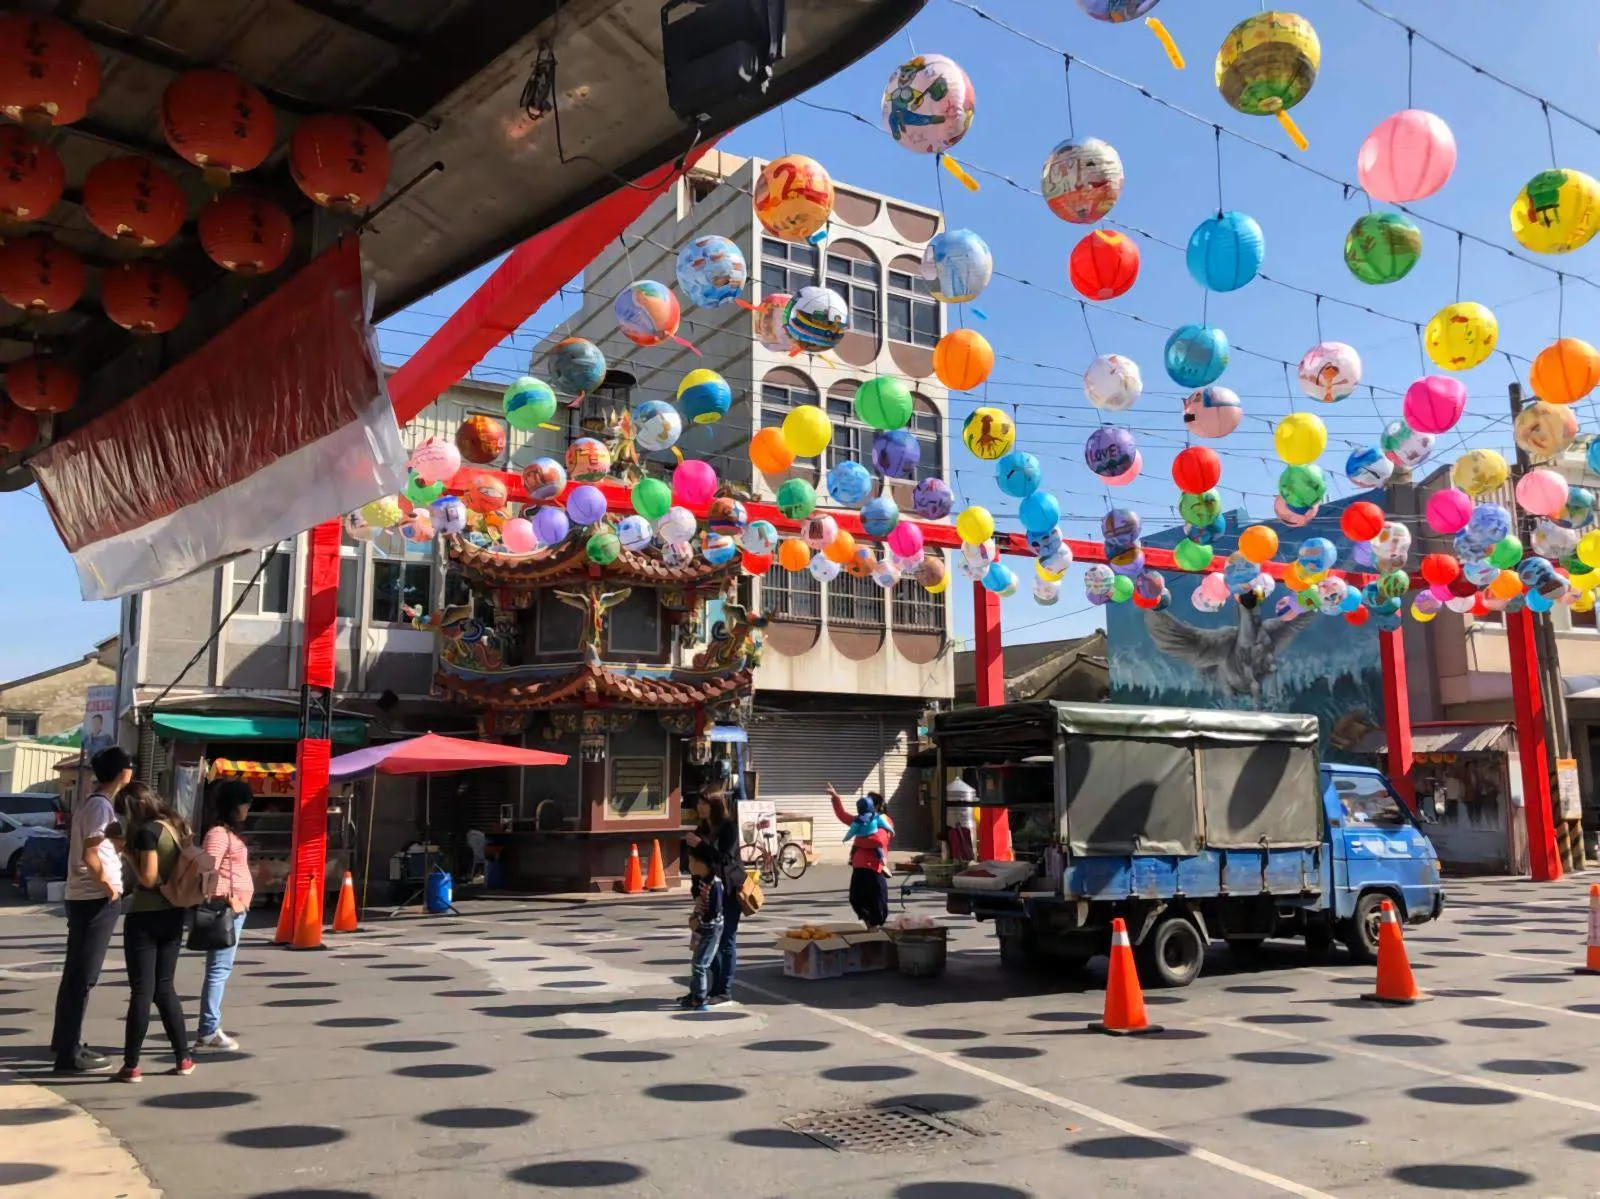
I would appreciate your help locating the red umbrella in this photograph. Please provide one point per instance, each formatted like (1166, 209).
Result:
(433, 754)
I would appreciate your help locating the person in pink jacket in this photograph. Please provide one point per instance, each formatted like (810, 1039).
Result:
(231, 808)
(872, 830)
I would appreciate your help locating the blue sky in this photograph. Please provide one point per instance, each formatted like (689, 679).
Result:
(1171, 164)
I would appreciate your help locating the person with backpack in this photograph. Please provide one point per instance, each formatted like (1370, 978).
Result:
(715, 844)
(230, 899)
(169, 874)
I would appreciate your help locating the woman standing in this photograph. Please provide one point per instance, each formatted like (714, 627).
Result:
(230, 809)
(715, 842)
(869, 856)
(152, 930)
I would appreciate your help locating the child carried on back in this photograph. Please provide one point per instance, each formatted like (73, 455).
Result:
(705, 932)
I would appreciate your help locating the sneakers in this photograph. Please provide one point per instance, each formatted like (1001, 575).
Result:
(128, 1074)
(218, 1040)
(690, 1003)
(718, 999)
(185, 1067)
(83, 1061)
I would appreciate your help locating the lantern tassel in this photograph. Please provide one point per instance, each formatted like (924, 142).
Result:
(1293, 130)
(688, 345)
(1174, 55)
(677, 453)
(747, 305)
(960, 172)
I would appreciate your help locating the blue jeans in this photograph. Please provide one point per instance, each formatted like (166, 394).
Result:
(702, 961)
(219, 964)
(728, 949)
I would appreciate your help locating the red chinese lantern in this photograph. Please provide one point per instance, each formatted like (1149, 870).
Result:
(1196, 469)
(1361, 521)
(40, 274)
(42, 385)
(1440, 569)
(18, 429)
(245, 234)
(219, 122)
(1479, 608)
(144, 297)
(1104, 264)
(131, 199)
(755, 564)
(1357, 616)
(49, 74)
(339, 160)
(31, 177)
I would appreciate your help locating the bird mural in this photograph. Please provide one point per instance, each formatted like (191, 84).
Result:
(1240, 660)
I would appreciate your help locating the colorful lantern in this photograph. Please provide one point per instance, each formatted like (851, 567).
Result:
(879, 516)
(906, 540)
(586, 505)
(647, 312)
(219, 122)
(529, 403)
(1302, 486)
(42, 385)
(975, 525)
(1565, 371)
(1081, 181)
(793, 554)
(957, 266)
(884, 402)
(796, 499)
(1405, 446)
(963, 359)
(1258, 543)
(676, 525)
(1212, 412)
(849, 483)
(1542, 491)
(727, 515)
(39, 274)
(421, 493)
(767, 323)
(449, 515)
(819, 532)
(704, 397)
(1409, 156)
(793, 197)
(656, 425)
(1196, 355)
(435, 461)
(481, 439)
(1113, 383)
(604, 546)
(1449, 510)
(693, 483)
(760, 537)
(1382, 247)
(816, 319)
(1368, 466)
(1543, 430)
(1480, 471)
(896, 454)
(1556, 212)
(1104, 264)
(551, 526)
(339, 160)
(807, 430)
(824, 569)
(635, 532)
(1200, 510)
(1018, 474)
(18, 429)
(484, 492)
(933, 499)
(1330, 371)
(1434, 404)
(1300, 438)
(711, 271)
(770, 452)
(385, 512)
(1196, 469)
(544, 479)
(31, 175)
(1461, 336)
(49, 73)
(1108, 451)
(1226, 251)
(144, 297)
(1267, 65)
(518, 537)
(577, 366)
(988, 433)
(589, 459)
(245, 234)
(928, 104)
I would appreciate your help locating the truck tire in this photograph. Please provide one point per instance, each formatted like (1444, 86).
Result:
(1360, 933)
(1172, 953)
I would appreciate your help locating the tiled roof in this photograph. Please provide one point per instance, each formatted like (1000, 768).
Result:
(568, 561)
(592, 684)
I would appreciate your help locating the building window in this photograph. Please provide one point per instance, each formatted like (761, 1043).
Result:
(916, 608)
(268, 595)
(790, 595)
(856, 282)
(913, 313)
(634, 625)
(855, 601)
(852, 440)
(398, 585)
(456, 592)
(349, 602)
(560, 625)
(19, 726)
(926, 425)
(787, 266)
(587, 418)
(777, 399)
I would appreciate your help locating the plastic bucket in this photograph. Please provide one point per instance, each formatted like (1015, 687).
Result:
(921, 954)
(440, 892)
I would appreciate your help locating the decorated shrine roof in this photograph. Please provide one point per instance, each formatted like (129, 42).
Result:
(596, 684)
(568, 561)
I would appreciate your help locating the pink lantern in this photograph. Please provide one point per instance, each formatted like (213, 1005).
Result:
(1127, 476)
(1441, 592)
(905, 539)
(1290, 517)
(1214, 587)
(1434, 404)
(693, 483)
(1542, 492)
(518, 537)
(1407, 157)
(435, 461)
(1449, 510)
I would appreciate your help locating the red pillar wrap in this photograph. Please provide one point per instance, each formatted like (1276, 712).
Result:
(1397, 717)
(994, 824)
(310, 852)
(1544, 864)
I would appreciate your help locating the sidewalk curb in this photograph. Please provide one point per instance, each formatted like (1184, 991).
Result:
(39, 1128)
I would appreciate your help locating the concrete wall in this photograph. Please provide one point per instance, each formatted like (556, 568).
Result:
(55, 698)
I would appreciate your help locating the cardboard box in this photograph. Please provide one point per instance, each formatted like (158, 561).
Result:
(848, 949)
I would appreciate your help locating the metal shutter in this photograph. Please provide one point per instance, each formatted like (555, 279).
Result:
(798, 755)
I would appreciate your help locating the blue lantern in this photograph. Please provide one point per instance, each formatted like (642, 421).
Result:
(1046, 545)
(704, 397)
(1197, 355)
(1018, 474)
(879, 516)
(1316, 556)
(1226, 251)
(1040, 512)
(711, 271)
(577, 366)
(849, 483)
(999, 577)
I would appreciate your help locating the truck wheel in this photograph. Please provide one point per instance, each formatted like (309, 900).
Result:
(1360, 934)
(1172, 954)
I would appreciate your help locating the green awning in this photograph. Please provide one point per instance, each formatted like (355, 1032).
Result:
(186, 727)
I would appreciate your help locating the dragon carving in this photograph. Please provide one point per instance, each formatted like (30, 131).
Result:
(735, 641)
(465, 642)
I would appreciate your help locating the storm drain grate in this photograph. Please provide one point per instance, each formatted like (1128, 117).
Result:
(876, 1129)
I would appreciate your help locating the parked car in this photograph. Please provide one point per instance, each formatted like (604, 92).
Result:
(14, 836)
(34, 808)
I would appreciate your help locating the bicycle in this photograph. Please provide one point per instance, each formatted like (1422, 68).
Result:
(790, 858)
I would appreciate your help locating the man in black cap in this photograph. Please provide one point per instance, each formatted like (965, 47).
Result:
(93, 902)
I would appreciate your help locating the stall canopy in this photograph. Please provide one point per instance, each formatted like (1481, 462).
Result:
(433, 754)
(186, 726)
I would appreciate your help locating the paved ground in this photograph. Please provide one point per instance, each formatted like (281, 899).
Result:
(532, 1049)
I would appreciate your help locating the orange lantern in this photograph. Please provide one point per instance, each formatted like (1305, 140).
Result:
(31, 177)
(793, 554)
(770, 452)
(1565, 371)
(49, 74)
(219, 122)
(245, 234)
(18, 429)
(841, 549)
(1505, 585)
(755, 564)
(963, 359)
(1258, 543)
(131, 199)
(1104, 264)
(42, 385)
(40, 274)
(144, 297)
(339, 160)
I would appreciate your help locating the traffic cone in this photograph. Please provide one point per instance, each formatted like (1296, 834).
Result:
(308, 924)
(632, 879)
(285, 932)
(344, 916)
(1395, 983)
(656, 880)
(1124, 1013)
(1592, 964)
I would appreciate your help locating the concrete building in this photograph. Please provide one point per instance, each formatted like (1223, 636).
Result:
(49, 703)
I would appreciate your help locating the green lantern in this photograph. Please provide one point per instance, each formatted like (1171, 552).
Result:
(1121, 589)
(1303, 486)
(1382, 247)
(797, 499)
(884, 403)
(529, 403)
(651, 498)
(1507, 553)
(603, 546)
(422, 494)
(1310, 600)
(1394, 584)
(1576, 565)
(1201, 510)
(1191, 555)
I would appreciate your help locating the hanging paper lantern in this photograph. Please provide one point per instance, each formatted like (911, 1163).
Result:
(906, 540)
(879, 516)
(1479, 471)
(824, 569)
(1212, 412)
(1542, 491)
(1406, 447)
(529, 403)
(1258, 543)
(1200, 510)
(1392, 544)
(975, 525)
(957, 266)
(1409, 156)
(544, 479)
(1196, 355)
(1117, 11)
(1330, 371)
(144, 297)
(1368, 466)
(1543, 430)
(807, 431)
(704, 397)
(481, 439)
(767, 322)
(988, 433)
(1113, 383)
(42, 385)
(1104, 264)
(1449, 510)
(31, 176)
(1018, 473)
(1556, 212)
(518, 537)
(728, 515)
(577, 366)
(1316, 556)
(656, 425)
(1565, 371)
(675, 525)
(18, 429)
(589, 459)
(449, 515)
(647, 312)
(963, 359)
(1434, 404)
(219, 122)
(933, 499)
(1268, 63)
(1299, 438)
(816, 319)
(604, 546)
(1196, 470)
(819, 532)
(586, 504)
(420, 493)
(793, 197)
(796, 499)
(1226, 251)
(39, 274)
(897, 454)
(1382, 247)
(384, 513)
(693, 483)
(928, 104)
(760, 537)
(770, 452)
(1295, 518)
(849, 483)
(635, 533)
(1108, 451)
(483, 492)
(1302, 486)
(245, 234)
(1192, 556)
(1461, 336)
(1081, 181)
(793, 554)
(49, 74)
(1507, 553)
(884, 402)
(551, 526)
(711, 271)
(339, 160)
(435, 461)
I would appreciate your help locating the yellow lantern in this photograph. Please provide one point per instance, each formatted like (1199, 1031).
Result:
(793, 197)
(989, 433)
(807, 430)
(1589, 549)
(1422, 615)
(1300, 438)
(1479, 471)
(975, 525)
(1045, 573)
(1557, 212)
(1267, 65)
(383, 513)
(1461, 336)
(1584, 602)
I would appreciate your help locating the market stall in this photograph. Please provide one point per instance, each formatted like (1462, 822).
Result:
(269, 833)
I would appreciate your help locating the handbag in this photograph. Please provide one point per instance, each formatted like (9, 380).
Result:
(213, 924)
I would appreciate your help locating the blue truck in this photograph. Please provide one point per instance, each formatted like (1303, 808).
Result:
(1191, 825)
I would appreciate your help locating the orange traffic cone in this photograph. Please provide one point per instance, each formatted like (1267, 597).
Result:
(1592, 965)
(285, 932)
(1124, 1013)
(308, 923)
(344, 916)
(656, 880)
(632, 879)
(1395, 983)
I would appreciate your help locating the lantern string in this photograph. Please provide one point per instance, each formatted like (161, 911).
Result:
(1218, 129)
(783, 123)
(1317, 313)
(1066, 78)
(1461, 254)
(1288, 384)
(1550, 132)
(1411, 67)
(1422, 358)
(1561, 303)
